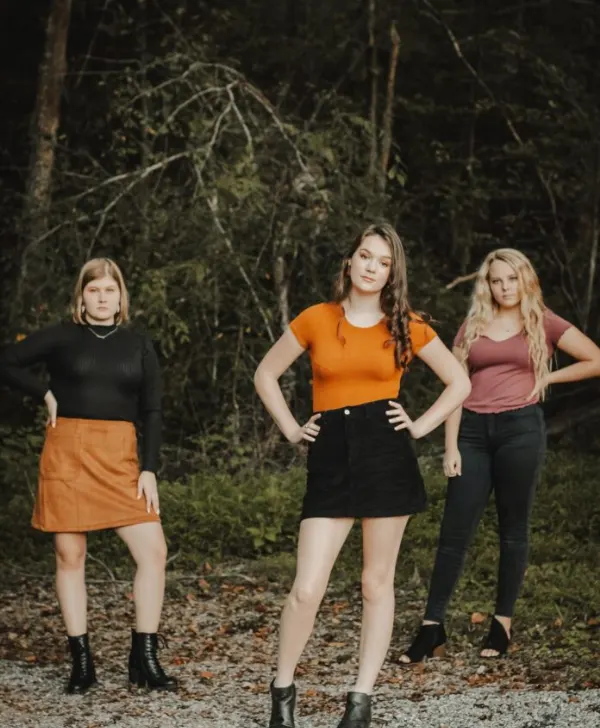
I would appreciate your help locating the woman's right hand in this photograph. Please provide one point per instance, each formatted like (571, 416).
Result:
(308, 431)
(52, 406)
(452, 463)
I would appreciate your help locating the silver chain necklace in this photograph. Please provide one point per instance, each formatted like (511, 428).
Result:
(99, 336)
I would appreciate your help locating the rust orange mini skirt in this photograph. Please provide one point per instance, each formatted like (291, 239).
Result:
(88, 478)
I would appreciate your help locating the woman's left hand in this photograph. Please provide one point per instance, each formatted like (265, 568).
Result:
(401, 421)
(147, 487)
(538, 388)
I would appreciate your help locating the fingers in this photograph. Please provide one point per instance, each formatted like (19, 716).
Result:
(398, 417)
(140, 489)
(51, 416)
(154, 502)
(452, 468)
(310, 430)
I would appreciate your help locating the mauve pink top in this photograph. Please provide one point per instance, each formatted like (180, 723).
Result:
(501, 372)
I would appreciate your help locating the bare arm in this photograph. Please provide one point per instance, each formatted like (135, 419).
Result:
(582, 348)
(458, 386)
(440, 360)
(452, 424)
(277, 360)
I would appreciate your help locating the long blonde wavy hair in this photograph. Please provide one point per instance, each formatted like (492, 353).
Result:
(483, 308)
(394, 296)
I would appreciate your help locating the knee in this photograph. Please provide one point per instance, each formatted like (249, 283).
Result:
(307, 595)
(376, 585)
(70, 558)
(515, 540)
(154, 557)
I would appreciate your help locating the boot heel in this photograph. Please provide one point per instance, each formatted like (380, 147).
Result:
(136, 679)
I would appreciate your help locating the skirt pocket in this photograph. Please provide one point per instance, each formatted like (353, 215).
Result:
(61, 455)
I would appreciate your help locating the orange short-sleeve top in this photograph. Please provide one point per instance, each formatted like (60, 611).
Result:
(355, 366)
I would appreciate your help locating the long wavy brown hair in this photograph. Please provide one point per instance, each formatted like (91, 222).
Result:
(394, 296)
(483, 309)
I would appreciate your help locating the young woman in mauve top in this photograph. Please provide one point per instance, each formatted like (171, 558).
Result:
(360, 461)
(496, 440)
(104, 378)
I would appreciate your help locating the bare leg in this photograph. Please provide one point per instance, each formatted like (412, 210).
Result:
(146, 543)
(381, 543)
(319, 544)
(70, 551)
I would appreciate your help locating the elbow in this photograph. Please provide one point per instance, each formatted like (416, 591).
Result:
(256, 379)
(260, 378)
(464, 387)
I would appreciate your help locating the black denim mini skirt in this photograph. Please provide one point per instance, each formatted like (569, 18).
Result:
(360, 467)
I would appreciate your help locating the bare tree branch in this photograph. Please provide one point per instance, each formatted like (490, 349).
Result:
(461, 279)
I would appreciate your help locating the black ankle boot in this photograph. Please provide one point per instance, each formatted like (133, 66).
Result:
(144, 667)
(283, 702)
(358, 711)
(83, 675)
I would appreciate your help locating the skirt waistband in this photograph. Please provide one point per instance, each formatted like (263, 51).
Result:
(76, 424)
(364, 411)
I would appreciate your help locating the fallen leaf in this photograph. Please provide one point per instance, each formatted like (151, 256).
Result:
(478, 618)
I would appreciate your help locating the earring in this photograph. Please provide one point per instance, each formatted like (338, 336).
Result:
(82, 308)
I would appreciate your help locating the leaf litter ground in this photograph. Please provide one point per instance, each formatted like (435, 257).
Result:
(221, 627)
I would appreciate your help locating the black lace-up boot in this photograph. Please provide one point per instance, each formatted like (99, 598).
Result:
(144, 667)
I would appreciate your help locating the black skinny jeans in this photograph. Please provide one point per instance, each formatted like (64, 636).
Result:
(502, 452)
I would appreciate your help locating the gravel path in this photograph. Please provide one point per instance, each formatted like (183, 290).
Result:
(31, 697)
(222, 635)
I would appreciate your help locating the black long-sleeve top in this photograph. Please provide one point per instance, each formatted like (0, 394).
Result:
(116, 378)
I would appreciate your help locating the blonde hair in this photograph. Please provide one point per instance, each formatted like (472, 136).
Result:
(393, 297)
(483, 308)
(91, 271)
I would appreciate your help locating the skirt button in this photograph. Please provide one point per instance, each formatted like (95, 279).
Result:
(346, 411)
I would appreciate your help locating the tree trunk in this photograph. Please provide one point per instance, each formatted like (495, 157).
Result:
(388, 115)
(374, 83)
(47, 118)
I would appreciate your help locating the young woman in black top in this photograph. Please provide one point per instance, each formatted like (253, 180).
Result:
(104, 378)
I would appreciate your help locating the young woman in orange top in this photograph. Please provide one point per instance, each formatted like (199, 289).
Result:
(360, 463)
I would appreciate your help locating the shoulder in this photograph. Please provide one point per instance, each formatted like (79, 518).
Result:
(57, 333)
(139, 334)
(554, 325)
(316, 314)
(311, 319)
(321, 309)
(460, 334)
(421, 332)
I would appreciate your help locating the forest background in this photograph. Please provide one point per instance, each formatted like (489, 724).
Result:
(225, 155)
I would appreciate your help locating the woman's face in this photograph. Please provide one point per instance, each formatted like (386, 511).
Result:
(504, 284)
(371, 264)
(101, 298)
